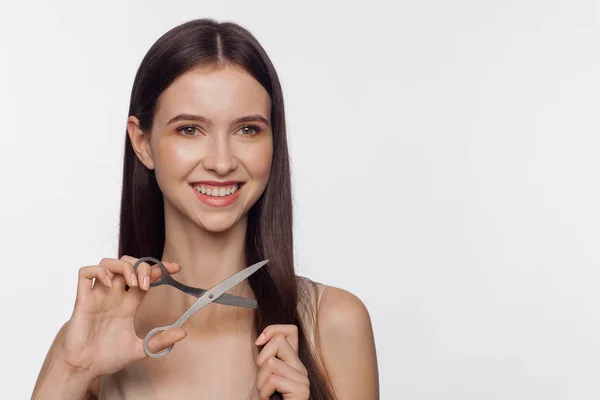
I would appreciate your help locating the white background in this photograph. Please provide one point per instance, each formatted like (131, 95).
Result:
(445, 164)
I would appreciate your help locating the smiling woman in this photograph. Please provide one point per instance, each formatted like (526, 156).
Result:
(206, 186)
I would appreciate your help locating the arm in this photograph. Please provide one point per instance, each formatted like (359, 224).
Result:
(100, 337)
(57, 380)
(347, 345)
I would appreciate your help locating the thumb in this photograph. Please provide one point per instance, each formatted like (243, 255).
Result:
(164, 339)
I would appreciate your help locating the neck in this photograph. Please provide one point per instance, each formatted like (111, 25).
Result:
(206, 257)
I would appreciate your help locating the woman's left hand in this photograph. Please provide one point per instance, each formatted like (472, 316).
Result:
(279, 368)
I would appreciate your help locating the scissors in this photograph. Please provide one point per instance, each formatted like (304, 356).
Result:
(216, 294)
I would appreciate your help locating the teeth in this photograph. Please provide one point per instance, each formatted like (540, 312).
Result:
(217, 192)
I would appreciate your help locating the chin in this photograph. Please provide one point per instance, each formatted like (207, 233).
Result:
(218, 223)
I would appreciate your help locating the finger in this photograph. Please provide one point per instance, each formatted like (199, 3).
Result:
(87, 275)
(143, 273)
(156, 273)
(267, 389)
(153, 272)
(289, 331)
(118, 267)
(164, 339)
(274, 366)
(121, 272)
(279, 347)
(284, 386)
(140, 292)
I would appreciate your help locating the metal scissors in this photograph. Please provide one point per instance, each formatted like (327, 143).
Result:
(216, 294)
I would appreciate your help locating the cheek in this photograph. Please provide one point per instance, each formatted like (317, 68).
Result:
(173, 159)
(259, 162)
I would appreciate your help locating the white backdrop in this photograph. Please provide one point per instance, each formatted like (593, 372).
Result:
(445, 164)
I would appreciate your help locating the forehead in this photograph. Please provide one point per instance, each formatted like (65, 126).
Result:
(220, 95)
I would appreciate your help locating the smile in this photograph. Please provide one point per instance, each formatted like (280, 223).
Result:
(216, 191)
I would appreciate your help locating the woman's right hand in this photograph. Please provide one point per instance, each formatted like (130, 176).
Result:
(101, 337)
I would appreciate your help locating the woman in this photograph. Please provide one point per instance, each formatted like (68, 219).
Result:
(206, 187)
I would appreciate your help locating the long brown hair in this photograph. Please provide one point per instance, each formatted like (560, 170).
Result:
(208, 43)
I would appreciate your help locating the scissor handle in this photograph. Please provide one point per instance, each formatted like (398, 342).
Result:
(153, 332)
(164, 277)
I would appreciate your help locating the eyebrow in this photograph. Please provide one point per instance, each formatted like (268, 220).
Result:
(200, 118)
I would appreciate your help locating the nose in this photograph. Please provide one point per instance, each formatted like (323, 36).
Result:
(220, 157)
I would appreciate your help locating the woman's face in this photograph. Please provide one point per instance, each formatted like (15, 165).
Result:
(211, 145)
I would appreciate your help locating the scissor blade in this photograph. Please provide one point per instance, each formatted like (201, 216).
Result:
(218, 290)
(226, 299)
(233, 280)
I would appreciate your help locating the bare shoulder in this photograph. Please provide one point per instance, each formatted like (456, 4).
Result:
(347, 344)
(337, 309)
(342, 312)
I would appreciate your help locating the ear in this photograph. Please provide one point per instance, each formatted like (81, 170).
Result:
(140, 141)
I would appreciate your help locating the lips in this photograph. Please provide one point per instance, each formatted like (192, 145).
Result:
(216, 190)
(217, 194)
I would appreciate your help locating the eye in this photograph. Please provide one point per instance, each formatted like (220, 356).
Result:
(188, 130)
(249, 130)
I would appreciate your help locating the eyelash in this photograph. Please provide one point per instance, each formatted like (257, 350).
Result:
(256, 129)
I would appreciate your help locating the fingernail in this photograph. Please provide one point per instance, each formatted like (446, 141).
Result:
(260, 339)
(109, 280)
(146, 283)
(134, 281)
(175, 264)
